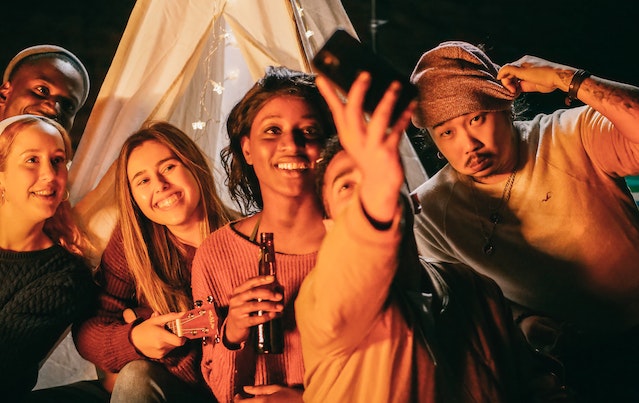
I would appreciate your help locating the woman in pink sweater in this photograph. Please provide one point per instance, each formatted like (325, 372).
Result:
(168, 204)
(276, 134)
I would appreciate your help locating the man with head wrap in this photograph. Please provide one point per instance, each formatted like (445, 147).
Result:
(541, 206)
(394, 328)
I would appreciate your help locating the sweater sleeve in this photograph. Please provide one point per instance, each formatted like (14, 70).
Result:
(218, 362)
(349, 285)
(223, 262)
(104, 338)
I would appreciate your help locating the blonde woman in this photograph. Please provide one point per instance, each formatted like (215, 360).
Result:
(168, 204)
(45, 284)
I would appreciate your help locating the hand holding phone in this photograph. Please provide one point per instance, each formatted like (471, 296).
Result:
(343, 57)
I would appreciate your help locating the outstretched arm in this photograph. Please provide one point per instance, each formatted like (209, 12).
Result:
(617, 101)
(357, 259)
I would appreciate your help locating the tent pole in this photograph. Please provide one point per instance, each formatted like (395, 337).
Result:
(374, 24)
(296, 11)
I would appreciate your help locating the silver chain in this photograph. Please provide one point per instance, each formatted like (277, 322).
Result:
(495, 217)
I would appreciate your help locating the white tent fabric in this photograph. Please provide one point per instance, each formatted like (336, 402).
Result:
(188, 62)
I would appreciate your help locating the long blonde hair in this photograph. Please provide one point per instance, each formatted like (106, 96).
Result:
(154, 255)
(60, 228)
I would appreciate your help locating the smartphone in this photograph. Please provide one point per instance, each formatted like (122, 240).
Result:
(343, 57)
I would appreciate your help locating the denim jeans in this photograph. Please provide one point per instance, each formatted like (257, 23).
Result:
(144, 381)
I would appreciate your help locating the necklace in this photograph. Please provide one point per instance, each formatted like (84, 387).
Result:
(495, 214)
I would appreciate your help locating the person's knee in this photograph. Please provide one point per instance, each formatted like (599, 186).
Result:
(137, 368)
(139, 381)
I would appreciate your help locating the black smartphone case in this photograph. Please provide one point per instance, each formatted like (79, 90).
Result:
(343, 57)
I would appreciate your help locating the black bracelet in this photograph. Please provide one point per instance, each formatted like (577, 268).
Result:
(577, 78)
(378, 225)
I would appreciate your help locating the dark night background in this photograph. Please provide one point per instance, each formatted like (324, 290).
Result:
(600, 36)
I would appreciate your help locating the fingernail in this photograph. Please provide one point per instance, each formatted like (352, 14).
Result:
(365, 75)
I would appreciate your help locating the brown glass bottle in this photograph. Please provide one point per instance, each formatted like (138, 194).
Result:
(269, 336)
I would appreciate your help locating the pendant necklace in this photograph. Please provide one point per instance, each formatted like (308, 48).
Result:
(495, 214)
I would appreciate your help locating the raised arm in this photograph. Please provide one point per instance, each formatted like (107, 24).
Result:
(617, 101)
(358, 257)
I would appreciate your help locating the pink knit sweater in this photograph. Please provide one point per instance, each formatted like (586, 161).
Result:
(104, 338)
(224, 261)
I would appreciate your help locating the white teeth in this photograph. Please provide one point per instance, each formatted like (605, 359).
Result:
(168, 202)
(43, 193)
(291, 166)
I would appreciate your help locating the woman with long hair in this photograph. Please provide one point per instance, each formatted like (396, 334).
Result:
(168, 204)
(45, 282)
(276, 134)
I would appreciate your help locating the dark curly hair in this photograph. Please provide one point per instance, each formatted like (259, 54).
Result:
(331, 148)
(242, 182)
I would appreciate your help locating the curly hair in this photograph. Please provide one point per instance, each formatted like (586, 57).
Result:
(331, 148)
(241, 180)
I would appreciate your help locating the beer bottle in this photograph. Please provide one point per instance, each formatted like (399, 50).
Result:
(269, 335)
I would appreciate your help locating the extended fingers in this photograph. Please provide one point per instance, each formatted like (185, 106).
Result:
(252, 283)
(348, 117)
(357, 93)
(244, 303)
(252, 292)
(379, 128)
(162, 319)
(267, 301)
(243, 309)
(508, 75)
(330, 94)
(400, 125)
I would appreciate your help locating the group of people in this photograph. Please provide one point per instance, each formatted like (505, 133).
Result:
(513, 282)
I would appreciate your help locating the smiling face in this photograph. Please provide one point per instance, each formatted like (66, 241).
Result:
(163, 188)
(477, 144)
(35, 174)
(283, 145)
(49, 87)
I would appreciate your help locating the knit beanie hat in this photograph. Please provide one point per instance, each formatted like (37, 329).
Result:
(456, 78)
(43, 49)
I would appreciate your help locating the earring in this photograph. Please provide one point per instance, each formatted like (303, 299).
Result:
(66, 195)
(2, 196)
(440, 156)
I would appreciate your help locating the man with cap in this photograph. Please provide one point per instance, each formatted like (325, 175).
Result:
(45, 80)
(540, 206)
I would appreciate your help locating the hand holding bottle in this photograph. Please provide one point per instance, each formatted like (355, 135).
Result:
(269, 336)
(248, 298)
